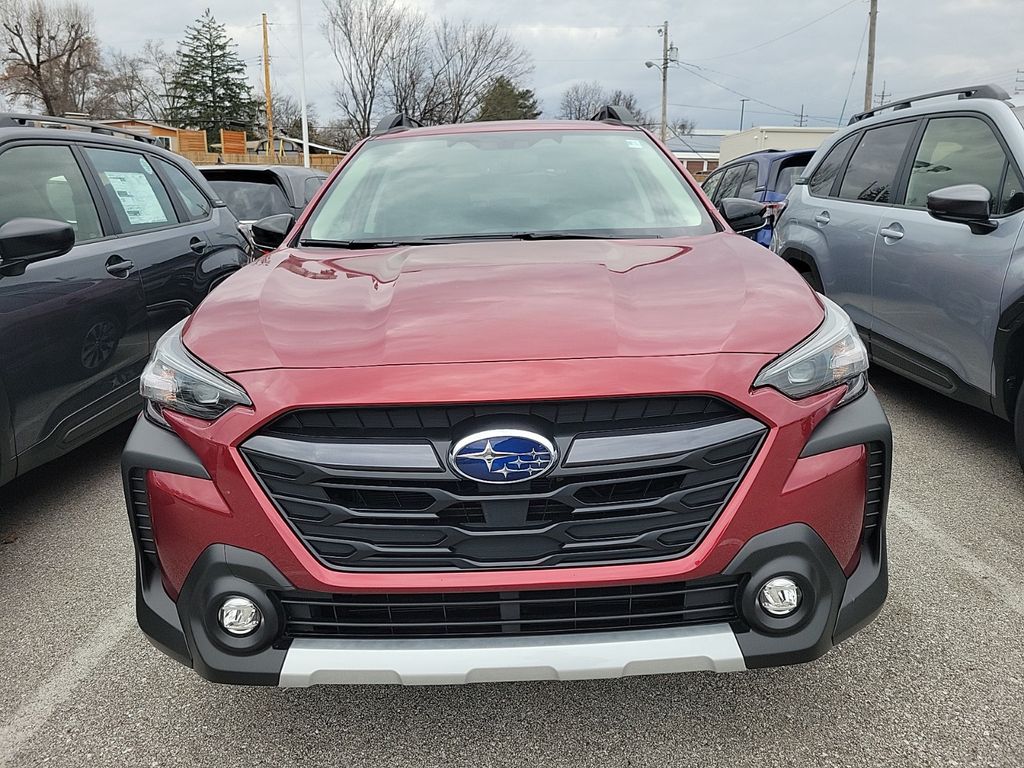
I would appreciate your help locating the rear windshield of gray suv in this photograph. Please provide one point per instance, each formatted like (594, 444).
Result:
(601, 182)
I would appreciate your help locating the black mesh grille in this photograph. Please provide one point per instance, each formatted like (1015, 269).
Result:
(875, 488)
(592, 609)
(436, 521)
(138, 498)
(574, 415)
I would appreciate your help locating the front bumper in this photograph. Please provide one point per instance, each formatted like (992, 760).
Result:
(843, 594)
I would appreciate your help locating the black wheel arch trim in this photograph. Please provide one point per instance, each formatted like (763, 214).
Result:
(862, 421)
(1008, 359)
(153, 447)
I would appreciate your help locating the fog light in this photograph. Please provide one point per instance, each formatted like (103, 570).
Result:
(779, 596)
(239, 616)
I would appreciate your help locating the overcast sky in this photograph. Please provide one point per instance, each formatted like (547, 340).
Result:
(922, 45)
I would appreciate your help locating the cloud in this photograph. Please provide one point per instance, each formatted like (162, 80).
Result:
(922, 45)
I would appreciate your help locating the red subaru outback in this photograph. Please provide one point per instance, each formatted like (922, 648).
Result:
(510, 402)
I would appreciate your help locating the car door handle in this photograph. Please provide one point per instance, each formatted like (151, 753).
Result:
(119, 267)
(892, 233)
(823, 218)
(197, 245)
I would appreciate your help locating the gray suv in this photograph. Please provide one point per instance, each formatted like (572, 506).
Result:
(910, 218)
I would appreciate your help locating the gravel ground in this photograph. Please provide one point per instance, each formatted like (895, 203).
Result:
(938, 679)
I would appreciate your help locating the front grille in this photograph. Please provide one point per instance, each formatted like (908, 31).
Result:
(627, 512)
(574, 415)
(545, 612)
(875, 497)
(138, 505)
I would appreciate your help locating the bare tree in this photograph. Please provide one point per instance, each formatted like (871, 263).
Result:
(48, 53)
(469, 59)
(391, 57)
(361, 34)
(581, 100)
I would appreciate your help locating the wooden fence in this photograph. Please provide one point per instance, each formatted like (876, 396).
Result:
(325, 163)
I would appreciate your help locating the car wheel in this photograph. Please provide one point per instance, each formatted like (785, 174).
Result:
(1018, 426)
(98, 343)
(809, 277)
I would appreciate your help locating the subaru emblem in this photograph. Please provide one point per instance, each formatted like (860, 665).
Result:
(503, 456)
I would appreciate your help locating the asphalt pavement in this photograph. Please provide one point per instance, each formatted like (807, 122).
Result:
(937, 679)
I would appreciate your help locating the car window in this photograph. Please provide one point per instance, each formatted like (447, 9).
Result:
(45, 182)
(874, 163)
(711, 184)
(599, 182)
(731, 180)
(788, 173)
(253, 197)
(196, 204)
(312, 185)
(825, 174)
(137, 196)
(956, 150)
(749, 183)
(1011, 199)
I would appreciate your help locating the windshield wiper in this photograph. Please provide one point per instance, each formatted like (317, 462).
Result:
(541, 235)
(355, 245)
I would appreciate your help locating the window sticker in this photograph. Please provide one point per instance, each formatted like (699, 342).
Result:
(137, 197)
(634, 144)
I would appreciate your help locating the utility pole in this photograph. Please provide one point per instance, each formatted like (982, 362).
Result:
(743, 104)
(302, 88)
(664, 82)
(266, 87)
(801, 119)
(869, 81)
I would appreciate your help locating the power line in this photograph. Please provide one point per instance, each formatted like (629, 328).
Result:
(782, 110)
(853, 74)
(782, 36)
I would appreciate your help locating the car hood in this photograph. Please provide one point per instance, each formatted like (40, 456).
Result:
(503, 301)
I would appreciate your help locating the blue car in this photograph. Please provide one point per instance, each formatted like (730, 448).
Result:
(765, 176)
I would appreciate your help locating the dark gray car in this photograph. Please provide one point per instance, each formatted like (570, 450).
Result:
(910, 219)
(106, 241)
(254, 192)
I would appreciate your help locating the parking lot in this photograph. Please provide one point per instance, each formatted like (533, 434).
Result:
(936, 680)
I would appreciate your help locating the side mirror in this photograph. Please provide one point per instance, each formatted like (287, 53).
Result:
(969, 204)
(744, 216)
(27, 240)
(268, 233)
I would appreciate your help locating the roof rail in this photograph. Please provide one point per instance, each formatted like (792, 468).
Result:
(614, 113)
(396, 122)
(15, 120)
(971, 92)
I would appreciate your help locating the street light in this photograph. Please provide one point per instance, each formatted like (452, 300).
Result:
(669, 56)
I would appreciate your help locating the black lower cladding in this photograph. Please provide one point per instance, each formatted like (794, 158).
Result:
(484, 614)
(653, 509)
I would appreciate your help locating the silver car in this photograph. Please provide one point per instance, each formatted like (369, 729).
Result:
(910, 218)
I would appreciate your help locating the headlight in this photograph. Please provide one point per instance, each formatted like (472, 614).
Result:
(175, 380)
(832, 355)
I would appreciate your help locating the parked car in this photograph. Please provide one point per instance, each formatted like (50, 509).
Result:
(911, 220)
(105, 242)
(765, 176)
(254, 192)
(510, 401)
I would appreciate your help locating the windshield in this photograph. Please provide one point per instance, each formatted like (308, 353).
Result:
(586, 183)
(251, 200)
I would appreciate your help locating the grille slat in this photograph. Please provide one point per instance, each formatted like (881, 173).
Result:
(139, 497)
(875, 491)
(656, 509)
(596, 609)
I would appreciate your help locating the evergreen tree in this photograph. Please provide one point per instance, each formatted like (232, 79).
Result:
(503, 101)
(210, 84)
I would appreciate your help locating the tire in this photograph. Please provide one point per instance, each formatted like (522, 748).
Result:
(1018, 426)
(809, 277)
